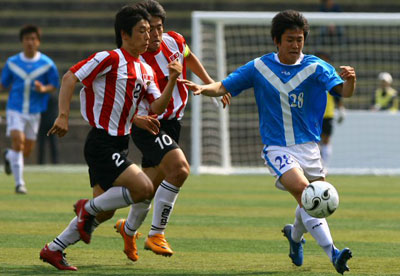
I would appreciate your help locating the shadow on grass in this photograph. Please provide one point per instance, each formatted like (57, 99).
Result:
(117, 270)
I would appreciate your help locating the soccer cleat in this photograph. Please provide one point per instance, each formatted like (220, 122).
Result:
(340, 258)
(85, 220)
(56, 259)
(7, 166)
(130, 248)
(296, 248)
(159, 245)
(21, 189)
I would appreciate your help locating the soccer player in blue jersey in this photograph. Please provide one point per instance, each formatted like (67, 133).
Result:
(290, 90)
(30, 76)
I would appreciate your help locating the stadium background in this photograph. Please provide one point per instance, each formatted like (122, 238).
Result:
(75, 29)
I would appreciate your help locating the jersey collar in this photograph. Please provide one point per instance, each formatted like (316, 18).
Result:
(26, 59)
(297, 62)
(128, 56)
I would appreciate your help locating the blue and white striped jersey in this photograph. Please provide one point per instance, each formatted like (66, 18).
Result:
(291, 99)
(20, 73)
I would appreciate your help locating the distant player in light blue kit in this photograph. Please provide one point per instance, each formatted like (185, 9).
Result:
(290, 91)
(31, 76)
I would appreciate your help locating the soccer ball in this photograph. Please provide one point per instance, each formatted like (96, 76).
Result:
(320, 199)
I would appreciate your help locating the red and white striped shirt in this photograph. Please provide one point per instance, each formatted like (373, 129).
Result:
(173, 47)
(114, 84)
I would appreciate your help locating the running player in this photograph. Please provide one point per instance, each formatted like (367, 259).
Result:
(158, 138)
(290, 91)
(31, 76)
(114, 84)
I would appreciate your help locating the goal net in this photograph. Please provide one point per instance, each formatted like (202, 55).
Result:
(227, 141)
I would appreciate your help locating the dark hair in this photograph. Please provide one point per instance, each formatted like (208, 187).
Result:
(28, 29)
(155, 9)
(126, 18)
(288, 19)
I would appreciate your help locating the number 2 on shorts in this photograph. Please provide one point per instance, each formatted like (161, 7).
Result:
(116, 157)
(283, 160)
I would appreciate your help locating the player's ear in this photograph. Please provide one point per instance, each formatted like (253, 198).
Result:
(124, 35)
(276, 41)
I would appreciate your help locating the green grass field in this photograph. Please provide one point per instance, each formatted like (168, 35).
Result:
(221, 225)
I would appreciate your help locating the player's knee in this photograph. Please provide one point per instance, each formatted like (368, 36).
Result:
(148, 192)
(299, 190)
(178, 173)
(143, 191)
(18, 146)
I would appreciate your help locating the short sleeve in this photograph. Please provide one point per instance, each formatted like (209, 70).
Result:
(241, 79)
(6, 77)
(53, 77)
(153, 89)
(87, 70)
(328, 77)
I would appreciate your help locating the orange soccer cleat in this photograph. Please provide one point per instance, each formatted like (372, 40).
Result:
(159, 245)
(130, 248)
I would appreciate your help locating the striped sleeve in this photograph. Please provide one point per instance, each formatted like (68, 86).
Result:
(87, 70)
(179, 39)
(153, 89)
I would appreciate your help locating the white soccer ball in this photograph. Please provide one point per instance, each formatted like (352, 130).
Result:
(320, 199)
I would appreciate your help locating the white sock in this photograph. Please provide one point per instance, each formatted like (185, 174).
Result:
(319, 229)
(16, 159)
(136, 216)
(326, 152)
(114, 198)
(69, 236)
(164, 201)
(298, 226)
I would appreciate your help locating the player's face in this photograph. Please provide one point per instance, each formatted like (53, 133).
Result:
(156, 31)
(290, 46)
(30, 44)
(138, 42)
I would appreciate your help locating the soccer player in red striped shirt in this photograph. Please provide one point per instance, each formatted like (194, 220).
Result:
(115, 82)
(157, 137)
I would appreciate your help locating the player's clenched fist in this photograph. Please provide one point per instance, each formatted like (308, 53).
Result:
(347, 73)
(175, 69)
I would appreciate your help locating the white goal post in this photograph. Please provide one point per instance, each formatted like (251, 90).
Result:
(227, 141)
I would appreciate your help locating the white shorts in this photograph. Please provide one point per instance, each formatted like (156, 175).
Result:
(26, 123)
(306, 157)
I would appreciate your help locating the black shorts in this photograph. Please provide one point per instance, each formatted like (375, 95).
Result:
(327, 126)
(154, 147)
(106, 157)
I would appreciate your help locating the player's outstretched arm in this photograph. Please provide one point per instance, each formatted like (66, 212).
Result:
(215, 89)
(60, 126)
(159, 105)
(196, 67)
(347, 88)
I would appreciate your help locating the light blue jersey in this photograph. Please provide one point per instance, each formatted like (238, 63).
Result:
(20, 73)
(291, 99)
